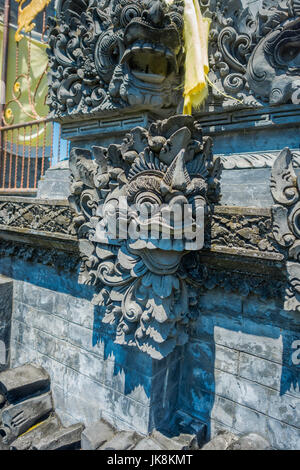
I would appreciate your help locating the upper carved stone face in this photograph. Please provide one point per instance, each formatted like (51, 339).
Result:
(111, 54)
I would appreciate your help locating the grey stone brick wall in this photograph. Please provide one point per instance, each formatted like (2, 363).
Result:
(6, 297)
(55, 325)
(240, 370)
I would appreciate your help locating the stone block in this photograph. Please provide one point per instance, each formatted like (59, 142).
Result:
(282, 436)
(250, 441)
(223, 410)
(27, 440)
(124, 440)
(74, 309)
(96, 435)
(226, 359)
(242, 391)
(285, 408)
(221, 442)
(248, 421)
(148, 444)
(62, 439)
(23, 381)
(260, 370)
(179, 442)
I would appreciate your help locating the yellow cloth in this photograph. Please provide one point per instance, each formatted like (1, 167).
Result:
(195, 33)
(196, 30)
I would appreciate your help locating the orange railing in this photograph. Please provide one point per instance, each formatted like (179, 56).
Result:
(26, 152)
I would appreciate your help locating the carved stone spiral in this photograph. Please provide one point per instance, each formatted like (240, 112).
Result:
(234, 83)
(107, 54)
(129, 12)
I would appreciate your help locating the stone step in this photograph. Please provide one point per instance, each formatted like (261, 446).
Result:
(62, 439)
(29, 438)
(23, 381)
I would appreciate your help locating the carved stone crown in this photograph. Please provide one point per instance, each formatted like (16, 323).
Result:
(110, 54)
(143, 286)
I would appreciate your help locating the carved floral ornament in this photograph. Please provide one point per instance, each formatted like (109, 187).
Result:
(254, 58)
(285, 188)
(143, 287)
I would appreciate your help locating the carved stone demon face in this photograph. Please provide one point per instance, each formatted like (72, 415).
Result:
(111, 54)
(274, 68)
(168, 178)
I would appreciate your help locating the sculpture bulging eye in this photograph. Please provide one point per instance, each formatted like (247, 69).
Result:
(129, 12)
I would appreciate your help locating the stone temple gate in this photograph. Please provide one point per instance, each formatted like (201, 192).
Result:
(195, 323)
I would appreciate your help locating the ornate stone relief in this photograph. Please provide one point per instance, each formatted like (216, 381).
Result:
(54, 258)
(254, 160)
(285, 190)
(111, 54)
(142, 283)
(251, 232)
(36, 216)
(255, 59)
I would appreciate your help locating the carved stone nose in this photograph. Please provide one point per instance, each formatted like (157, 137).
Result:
(155, 14)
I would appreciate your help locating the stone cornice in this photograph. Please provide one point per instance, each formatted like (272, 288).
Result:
(237, 232)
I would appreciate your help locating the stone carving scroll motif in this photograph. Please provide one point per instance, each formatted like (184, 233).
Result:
(141, 280)
(112, 54)
(285, 188)
(254, 58)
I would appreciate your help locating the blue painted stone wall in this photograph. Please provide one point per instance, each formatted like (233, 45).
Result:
(241, 368)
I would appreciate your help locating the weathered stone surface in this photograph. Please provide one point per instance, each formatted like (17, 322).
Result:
(18, 418)
(221, 442)
(96, 435)
(250, 441)
(148, 444)
(124, 440)
(63, 438)
(30, 438)
(180, 442)
(55, 183)
(23, 381)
